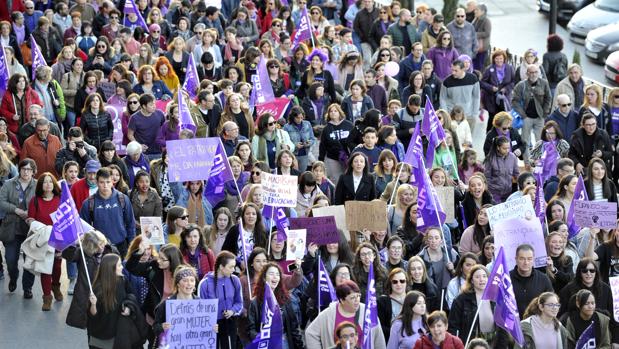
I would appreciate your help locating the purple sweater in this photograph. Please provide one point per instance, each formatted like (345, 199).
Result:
(442, 59)
(166, 135)
(228, 292)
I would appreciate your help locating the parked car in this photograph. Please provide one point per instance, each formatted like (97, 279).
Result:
(600, 13)
(601, 42)
(566, 9)
(611, 67)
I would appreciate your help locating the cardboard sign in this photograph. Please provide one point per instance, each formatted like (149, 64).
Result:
(192, 159)
(614, 287)
(595, 214)
(337, 211)
(446, 197)
(295, 244)
(517, 208)
(370, 215)
(152, 230)
(513, 232)
(320, 230)
(279, 191)
(192, 323)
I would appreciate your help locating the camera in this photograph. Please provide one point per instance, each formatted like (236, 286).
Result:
(79, 144)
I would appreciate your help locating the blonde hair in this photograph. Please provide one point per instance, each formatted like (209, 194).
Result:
(600, 97)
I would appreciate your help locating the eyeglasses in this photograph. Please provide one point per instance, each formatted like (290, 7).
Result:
(570, 104)
(366, 254)
(184, 217)
(198, 33)
(401, 281)
(588, 271)
(590, 125)
(419, 12)
(271, 123)
(26, 169)
(553, 305)
(134, 102)
(255, 173)
(383, 12)
(446, 39)
(616, 96)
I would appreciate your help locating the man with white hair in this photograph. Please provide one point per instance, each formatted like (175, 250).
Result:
(565, 115)
(573, 86)
(464, 34)
(31, 16)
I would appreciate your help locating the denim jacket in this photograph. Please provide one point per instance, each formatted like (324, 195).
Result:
(305, 134)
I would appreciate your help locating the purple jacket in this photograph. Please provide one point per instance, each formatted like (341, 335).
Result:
(499, 171)
(228, 292)
(442, 59)
(166, 135)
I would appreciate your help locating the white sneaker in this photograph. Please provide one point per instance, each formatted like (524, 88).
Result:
(71, 286)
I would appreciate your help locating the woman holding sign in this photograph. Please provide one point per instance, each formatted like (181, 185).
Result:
(223, 285)
(271, 275)
(599, 186)
(253, 230)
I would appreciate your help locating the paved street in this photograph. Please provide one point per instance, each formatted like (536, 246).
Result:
(516, 24)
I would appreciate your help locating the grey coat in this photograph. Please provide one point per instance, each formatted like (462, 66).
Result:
(523, 92)
(12, 224)
(464, 38)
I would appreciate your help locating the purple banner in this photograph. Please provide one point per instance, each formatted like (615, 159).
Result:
(67, 227)
(130, 7)
(433, 130)
(262, 92)
(304, 31)
(499, 289)
(326, 292)
(320, 230)
(415, 149)
(513, 232)
(587, 338)
(370, 318)
(220, 173)
(37, 57)
(4, 73)
(192, 159)
(540, 202)
(184, 115)
(271, 326)
(192, 82)
(281, 221)
(430, 213)
(580, 193)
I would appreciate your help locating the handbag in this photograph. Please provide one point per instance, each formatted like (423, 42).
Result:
(11, 225)
(517, 121)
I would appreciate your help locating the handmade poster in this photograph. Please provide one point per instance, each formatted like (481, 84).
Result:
(517, 208)
(278, 190)
(152, 230)
(513, 232)
(337, 211)
(370, 215)
(192, 159)
(595, 214)
(446, 197)
(192, 323)
(614, 287)
(295, 244)
(320, 230)
(116, 112)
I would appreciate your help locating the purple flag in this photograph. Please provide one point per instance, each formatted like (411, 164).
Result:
(587, 338)
(432, 129)
(220, 173)
(281, 221)
(184, 115)
(499, 290)
(192, 82)
(68, 225)
(325, 287)
(580, 193)
(37, 57)
(262, 91)
(130, 7)
(271, 326)
(415, 149)
(540, 203)
(430, 213)
(304, 32)
(549, 159)
(370, 318)
(4, 73)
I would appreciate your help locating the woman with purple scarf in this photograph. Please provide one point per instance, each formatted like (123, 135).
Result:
(502, 126)
(497, 84)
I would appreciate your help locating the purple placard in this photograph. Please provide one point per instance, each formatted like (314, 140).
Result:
(320, 230)
(191, 159)
(595, 214)
(513, 232)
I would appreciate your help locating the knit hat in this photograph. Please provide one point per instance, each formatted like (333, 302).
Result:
(92, 166)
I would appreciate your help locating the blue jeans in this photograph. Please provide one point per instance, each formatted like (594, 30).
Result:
(12, 260)
(71, 116)
(72, 270)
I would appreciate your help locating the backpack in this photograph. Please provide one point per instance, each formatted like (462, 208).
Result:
(91, 206)
(559, 71)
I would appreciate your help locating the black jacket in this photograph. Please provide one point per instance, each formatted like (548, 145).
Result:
(231, 243)
(345, 189)
(461, 316)
(80, 99)
(602, 293)
(154, 276)
(527, 288)
(289, 321)
(515, 140)
(97, 128)
(333, 140)
(104, 324)
(65, 155)
(470, 208)
(601, 141)
(385, 314)
(432, 293)
(132, 330)
(310, 112)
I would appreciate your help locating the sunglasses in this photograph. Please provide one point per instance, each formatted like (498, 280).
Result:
(315, 13)
(156, 31)
(383, 12)
(590, 271)
(101, 46)
(198, 33)
(29, 8)
(255, 173)
(616, 96)
(385, 55)
(271, 123)
(460, 16)
(395, 282)
(273, 66)
(184, 217)
(114, 17)
(134, 102)
(570, 104)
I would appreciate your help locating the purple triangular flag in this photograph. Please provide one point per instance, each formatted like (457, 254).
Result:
(271, 326)
(433, 130)
(219, 174)
(304, 32)
(326, 292)
(262, 91)
(549, 159)
(37, 57)
(540, 202)
(370, 318)
(580, 193)
(279, 217)
(192, 81)
(67, 223)
(499, 290)
(130, 7)
(4, 73)
(430, 212)
(184, 115)
(415, 149)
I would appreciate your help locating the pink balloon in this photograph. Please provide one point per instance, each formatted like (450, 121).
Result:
(392, 69)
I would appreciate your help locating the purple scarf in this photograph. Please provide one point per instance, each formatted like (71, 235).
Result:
(500, 72)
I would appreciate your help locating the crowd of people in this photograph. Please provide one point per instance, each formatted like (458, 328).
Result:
(98, 113)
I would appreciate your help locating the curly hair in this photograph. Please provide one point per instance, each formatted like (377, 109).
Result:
(280, 292)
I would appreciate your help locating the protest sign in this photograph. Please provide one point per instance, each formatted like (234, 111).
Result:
(446, 197)
(614, 287)
(370, 215)
(338, 212)
(152, 230)
(192, 323)
(192, 159)
(295, 244)
(517, 208)
(320, 230)
(595, 214)
(116, 112)
(513, 232)
(279, 191)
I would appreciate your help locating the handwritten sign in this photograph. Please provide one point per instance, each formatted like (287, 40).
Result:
(370, 215)
(595, 214)
(513, 232)
(614, 287)
(192, 159)
(152, 230)
(279, 190)
(192, 323)
(446, 197)
(337, 211)
(295, 244)
(320, 230)
(517, 208)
